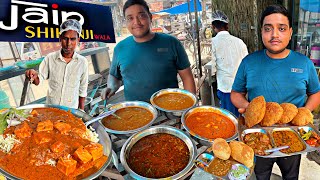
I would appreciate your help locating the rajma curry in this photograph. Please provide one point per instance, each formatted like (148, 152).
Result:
(131, 118)
(158, 156)
(210, 125)
(173, 101)
(54, 145)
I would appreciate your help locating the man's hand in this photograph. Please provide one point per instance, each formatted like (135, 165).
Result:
(107, 93)
(32, 75)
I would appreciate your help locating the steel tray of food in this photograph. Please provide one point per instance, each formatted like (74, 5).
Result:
(207, 123)
(53, 142)
(159, 152)
(130, 117)
(297, 139)
(173, 101)
(233, 160)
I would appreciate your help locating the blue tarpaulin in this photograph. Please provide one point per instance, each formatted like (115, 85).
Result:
(182, 8)
(310, 5)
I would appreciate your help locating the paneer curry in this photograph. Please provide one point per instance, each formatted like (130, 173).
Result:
(53, 144)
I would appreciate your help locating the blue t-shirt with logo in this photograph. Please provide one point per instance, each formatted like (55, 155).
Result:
(148, 67)
(279, 80)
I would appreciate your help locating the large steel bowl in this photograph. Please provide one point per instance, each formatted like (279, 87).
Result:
(203, 140)
(173, 113)
(126, 104)
(125, 150)
(104, 139)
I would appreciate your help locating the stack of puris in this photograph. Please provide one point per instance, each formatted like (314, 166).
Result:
(239, 151)
(269, 113)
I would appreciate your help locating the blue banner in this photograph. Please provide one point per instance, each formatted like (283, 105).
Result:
(39, 20)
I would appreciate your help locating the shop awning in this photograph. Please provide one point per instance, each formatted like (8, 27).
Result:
(182, 8)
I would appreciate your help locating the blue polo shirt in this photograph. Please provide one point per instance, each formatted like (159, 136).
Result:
(279, 80)
(148, 67)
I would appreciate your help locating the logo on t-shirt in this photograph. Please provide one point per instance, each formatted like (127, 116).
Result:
(296, 70)
(162, 50)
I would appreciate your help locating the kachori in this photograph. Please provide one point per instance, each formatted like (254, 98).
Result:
(242, 153)
(303, 117)
(221, 149)
(272, 115)
(255, 111)
(131, 118)
(289, 112)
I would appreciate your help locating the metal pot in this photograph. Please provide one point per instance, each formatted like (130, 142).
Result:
(104, 139)
(203, 140)
(125, 150)
(173, 114)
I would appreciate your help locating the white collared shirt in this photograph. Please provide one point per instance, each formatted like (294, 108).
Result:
(67, 81)
(227, 53)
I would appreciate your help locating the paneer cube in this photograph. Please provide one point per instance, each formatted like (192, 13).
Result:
(66, 165)
(57, 147)
(62, 127)
(41, 137)
(23, 130)
(82, 155)
(81, 133)
(46, 125)
(34, 113)
(95, 149)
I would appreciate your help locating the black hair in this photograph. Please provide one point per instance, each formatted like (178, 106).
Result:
(129, 3)
(220, 25)
(276, 8)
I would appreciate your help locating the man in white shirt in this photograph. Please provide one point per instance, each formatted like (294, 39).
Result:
(66, 71)
(227, 53)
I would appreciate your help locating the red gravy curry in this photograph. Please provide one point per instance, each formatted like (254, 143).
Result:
(131, 118)
(158, 156)
(210, 125)
(28, 159)
(173, 101)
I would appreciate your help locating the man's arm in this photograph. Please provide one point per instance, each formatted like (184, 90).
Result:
(239, 100)
(313, 101)
(187, 80)
(113, 85)
(33, 74)
(81, 102)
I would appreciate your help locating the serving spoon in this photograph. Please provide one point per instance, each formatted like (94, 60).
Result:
(276, 149)
(101, 116)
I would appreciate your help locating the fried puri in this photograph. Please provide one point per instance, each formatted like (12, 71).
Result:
(255, 111)
(303, 117)
(273, 114)
(289, 112)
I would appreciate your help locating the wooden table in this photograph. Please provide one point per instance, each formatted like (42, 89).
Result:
(116, 170)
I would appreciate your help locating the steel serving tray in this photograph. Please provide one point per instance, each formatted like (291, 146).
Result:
(285, 127)
(206, 141)
(170, 113)
(125, 104)
(207, 157)
(125, 150)
(103, 137)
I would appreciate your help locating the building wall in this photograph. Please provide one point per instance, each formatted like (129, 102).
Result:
(244, 16)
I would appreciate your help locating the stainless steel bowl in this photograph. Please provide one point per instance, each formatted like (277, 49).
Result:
(103, 137)
(132, 104)
(202, 140)
(125, 150)
(173, 113)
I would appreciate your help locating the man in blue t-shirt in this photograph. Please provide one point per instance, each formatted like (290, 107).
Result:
(147, 62)
(280, 75)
